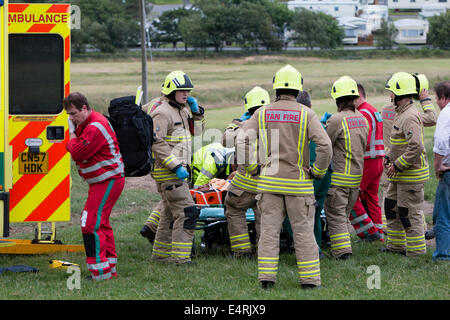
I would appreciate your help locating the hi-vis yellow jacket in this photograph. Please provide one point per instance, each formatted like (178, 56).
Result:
(282, 131)
(407, 151)
(348, 131)
(173, 140)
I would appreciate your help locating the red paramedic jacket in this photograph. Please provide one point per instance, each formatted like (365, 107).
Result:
(96, 150)
(375, 144)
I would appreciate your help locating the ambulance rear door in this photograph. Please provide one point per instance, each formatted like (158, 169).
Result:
(39, 79)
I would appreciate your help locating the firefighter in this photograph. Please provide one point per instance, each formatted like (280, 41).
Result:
(212, 161)
(94, 148)
(428, 116)
(348, 132)
(366, 214)
(283, 130)
(229, 135)
(407, 171)
(172, 150)
(242, 191)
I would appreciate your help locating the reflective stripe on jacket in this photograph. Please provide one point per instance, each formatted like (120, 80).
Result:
(375, 145)
(348, 131)
(428, 116)
(96, 150)
(407, 150)
(283, 130)
(173, 141)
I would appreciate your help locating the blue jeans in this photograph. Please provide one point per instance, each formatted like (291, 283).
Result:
(441, 219)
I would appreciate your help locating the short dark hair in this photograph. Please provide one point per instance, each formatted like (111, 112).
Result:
(76, 99)
(442, 89)
(346, 102)
(291, 92)
(304, 98)
(361, 90)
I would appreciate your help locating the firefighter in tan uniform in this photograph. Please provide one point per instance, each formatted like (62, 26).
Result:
(428, 116)
(172, 150)
(407, 171)
(348, 131)
(242, 191)
(283, 130)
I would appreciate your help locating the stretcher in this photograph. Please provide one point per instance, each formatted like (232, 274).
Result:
(213, 223)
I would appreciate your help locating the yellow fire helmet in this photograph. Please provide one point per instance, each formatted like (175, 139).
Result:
(421, 82)
(401, 84)
(256, 97)
(344, 86)
(176, 80)
(288, 78)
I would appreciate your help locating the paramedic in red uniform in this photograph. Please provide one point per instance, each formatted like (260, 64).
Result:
(366, 215)
(94, 148)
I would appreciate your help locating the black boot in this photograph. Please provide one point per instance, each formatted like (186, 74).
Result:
(266, 284)
(146, 232)
(344, 256)
(309, 286)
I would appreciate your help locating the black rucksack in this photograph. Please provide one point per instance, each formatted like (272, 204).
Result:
(134, 131)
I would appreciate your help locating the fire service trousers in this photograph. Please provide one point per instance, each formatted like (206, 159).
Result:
(405, 227)
(237, 202)
(300, 210)
(98, 237)
(338, 204)
(175, 234)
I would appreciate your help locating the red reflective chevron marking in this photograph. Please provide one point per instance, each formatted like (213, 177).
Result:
(17, 8)
(28, 181)
(51, 203)
(58, 8)
(42, 28)
(31, 130)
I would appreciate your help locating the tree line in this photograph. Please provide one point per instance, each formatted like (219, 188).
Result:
(111, 25)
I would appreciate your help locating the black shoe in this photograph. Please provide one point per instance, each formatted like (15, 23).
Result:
(146, 232)
(429, 234)
(266, 284)
(344, 256)
(372, 237)
(384, 249)
(309, 286)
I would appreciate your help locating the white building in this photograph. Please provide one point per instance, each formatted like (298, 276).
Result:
(354, 27)
(335, 8)
(374, 15)
(411, 31)
(429, 10)
(415, 4)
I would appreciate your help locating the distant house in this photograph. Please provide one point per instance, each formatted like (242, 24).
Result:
(334, 8)
(354, 28)
(374, 15)
(411, 31)
(434, 9)
(415, 4)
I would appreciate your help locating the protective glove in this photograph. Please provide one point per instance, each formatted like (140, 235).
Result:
(245, 116)
(325, 117)
(193, 104)
(182, 173)
(71, 126)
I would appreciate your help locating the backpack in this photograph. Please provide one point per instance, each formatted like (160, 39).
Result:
(134, 131)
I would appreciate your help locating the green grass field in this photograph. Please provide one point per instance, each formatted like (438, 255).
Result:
(220, 85)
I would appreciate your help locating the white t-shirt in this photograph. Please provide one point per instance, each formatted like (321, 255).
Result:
(442, 135)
